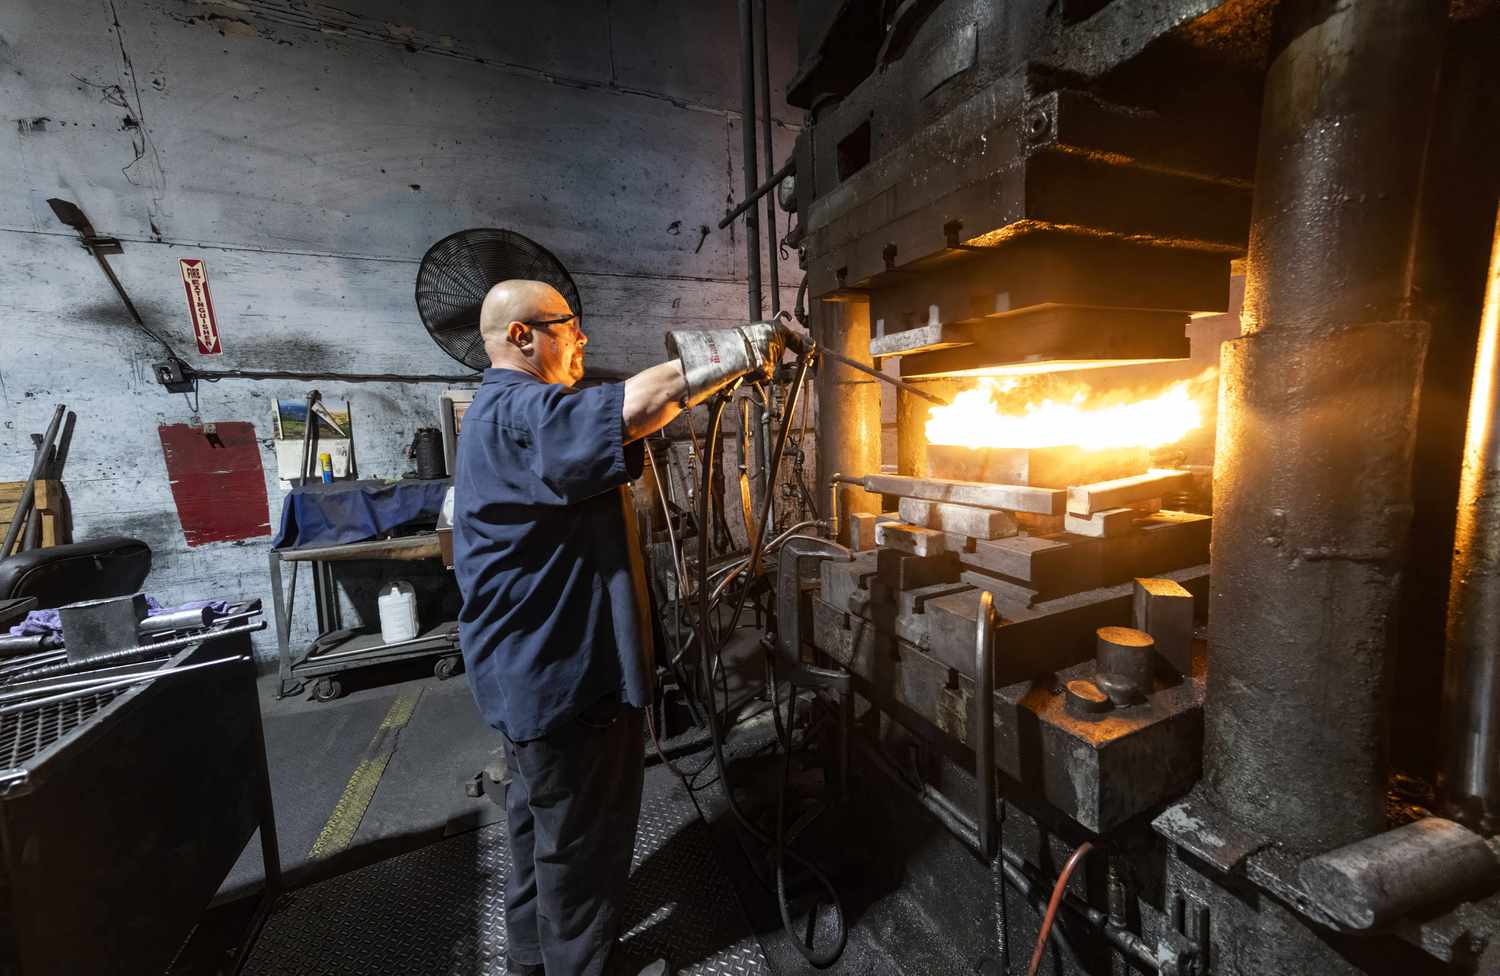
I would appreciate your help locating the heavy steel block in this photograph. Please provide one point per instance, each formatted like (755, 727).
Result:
(904, 571)
(1086, 499)
(1164, 609)
(840, 579)
(1042, 467)
(1011, 498)
(1047, 636)
(965, 520)
(912, 539)
(1102, 525)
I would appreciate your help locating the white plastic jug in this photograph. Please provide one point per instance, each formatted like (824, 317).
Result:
(398, 611)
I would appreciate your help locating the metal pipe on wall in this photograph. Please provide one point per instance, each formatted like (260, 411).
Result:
(1316, 425)
(748, 154)
(1469, 781)
(763, 67)
(750, 54)
(848, 406)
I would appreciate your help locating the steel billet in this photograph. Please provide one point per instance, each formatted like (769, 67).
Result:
(176, 620)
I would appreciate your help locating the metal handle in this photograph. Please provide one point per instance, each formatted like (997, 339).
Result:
(984, 746)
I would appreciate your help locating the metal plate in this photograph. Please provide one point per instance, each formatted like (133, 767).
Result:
(441, 909)
(26, 734)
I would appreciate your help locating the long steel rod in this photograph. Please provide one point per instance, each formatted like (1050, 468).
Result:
(787, 169)
(29, 494)
(82, 684)
(128, 654)
(898, 384)
(1470, 783)
(33, 532)
(99, 686)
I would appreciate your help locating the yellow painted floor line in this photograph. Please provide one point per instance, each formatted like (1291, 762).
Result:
(349, 811)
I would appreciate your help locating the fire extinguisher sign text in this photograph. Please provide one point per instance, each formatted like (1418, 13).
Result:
(200, 305)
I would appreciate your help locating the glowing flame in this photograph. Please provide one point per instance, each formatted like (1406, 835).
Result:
(989, 415)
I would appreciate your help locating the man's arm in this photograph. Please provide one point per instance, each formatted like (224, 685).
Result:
(653, 399)
(705, 361)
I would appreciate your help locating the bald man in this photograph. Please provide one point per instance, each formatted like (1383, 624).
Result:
(554, 626)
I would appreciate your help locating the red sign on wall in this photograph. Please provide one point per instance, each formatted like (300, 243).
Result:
(200, 305)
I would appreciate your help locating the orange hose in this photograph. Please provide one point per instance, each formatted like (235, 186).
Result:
(1053, 903)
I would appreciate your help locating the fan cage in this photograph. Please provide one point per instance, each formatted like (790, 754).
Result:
(459, 270)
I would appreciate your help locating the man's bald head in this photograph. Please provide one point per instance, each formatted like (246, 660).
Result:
(528, 325)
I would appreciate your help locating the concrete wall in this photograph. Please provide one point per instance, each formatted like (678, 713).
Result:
(310, 154)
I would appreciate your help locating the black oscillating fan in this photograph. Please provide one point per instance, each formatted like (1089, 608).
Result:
(460, 269)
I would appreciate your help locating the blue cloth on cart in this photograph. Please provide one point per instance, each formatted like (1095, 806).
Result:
(354, 511)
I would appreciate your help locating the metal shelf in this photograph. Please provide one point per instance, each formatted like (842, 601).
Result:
(336, 651)
(362, 649)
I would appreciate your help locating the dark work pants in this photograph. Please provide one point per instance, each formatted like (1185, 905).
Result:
(573, 804)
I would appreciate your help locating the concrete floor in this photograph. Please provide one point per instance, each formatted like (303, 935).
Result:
(401, 786)
(381, 772)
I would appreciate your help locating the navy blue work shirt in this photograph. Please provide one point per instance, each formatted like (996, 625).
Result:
(551, 622)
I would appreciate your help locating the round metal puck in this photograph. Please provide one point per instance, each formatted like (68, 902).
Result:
(1124, 637)
(1085, 700)
(1128, 657)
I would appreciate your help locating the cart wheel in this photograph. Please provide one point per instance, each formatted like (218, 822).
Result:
(327, 689)
(447, 667)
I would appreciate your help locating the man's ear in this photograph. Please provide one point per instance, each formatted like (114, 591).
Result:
(518, 334)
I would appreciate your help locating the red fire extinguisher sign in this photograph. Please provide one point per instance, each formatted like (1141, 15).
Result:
(200, 305)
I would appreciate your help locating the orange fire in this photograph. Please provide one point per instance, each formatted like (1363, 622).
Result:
(1000, 412)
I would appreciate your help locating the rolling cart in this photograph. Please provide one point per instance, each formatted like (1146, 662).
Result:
(337, 649)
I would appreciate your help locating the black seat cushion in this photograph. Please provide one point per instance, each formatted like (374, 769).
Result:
(110, 566)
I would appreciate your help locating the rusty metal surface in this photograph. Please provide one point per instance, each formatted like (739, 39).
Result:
(1318, 409)
(1199, 828)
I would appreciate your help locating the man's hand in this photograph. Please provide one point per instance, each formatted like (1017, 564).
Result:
(768, 341)
(712, 358)
(705, 361)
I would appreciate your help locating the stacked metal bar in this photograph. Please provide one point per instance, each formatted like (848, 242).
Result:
(1062, 560)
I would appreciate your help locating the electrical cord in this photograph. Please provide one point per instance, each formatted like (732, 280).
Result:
(214, 375)
(1054, 903)
(716, 410)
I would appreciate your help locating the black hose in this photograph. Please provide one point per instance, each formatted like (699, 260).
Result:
(716, 413)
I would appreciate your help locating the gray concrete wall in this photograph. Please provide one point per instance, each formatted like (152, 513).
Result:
(310, 154)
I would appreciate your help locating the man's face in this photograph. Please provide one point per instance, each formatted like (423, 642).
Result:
(558, 341)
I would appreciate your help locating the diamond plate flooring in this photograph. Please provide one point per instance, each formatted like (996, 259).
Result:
(440, 909)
